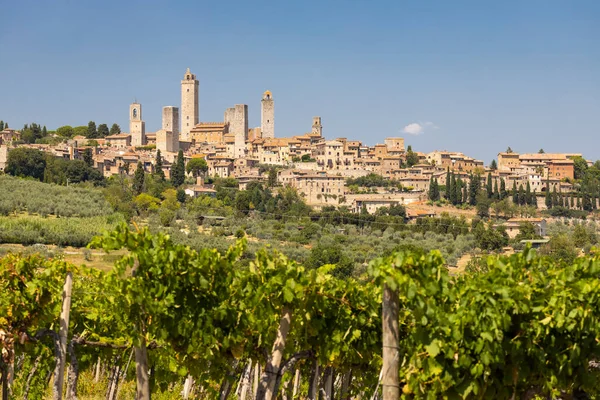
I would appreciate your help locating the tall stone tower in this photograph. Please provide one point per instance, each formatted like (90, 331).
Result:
(167, 139)
(316, 126)
(267, 115)
(238, 125)
(137, 127)
(189, 104)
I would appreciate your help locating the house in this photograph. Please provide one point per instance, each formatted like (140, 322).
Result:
(513, 226)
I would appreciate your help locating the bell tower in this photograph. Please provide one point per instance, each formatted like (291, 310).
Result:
(189, 104)
(137, 128)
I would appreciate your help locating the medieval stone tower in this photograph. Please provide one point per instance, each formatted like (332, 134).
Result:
(316, 126)
(189, 104)
(167, 139)
(237, 117)
(267, 115)
(137, 127)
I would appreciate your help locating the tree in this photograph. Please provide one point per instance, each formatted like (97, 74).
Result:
(44, 131)
(411, 157)
(88, 157)
(80, 131)
(197, 167)
(181, 195)
(115, 129)
(515, 194)
(448, 192)
(580, 167)
(496, 194)
(434, 190)
(92, 133)
(488, 186)
(548, 196)
(178, 170)
(541, 151)
(528, 198)
(474, 187)
(493, 165)
(103, 131)
(25, 162)
(158, 166)
(272, 178)
(1, 125)
(138, 179)
(521, 200)
(509, 150)
(483, 205)
(503, 193)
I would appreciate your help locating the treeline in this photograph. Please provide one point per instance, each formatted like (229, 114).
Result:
(31, 163)
(36, 133)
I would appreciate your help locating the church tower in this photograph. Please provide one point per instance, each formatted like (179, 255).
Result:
(317, 128)
(137, 127)
(189, 104)
(267, 116)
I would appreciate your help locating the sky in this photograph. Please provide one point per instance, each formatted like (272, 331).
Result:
(471, 76)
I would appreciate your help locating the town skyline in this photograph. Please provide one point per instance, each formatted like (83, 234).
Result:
(485, 82)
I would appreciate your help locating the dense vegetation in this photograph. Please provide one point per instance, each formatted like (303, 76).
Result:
(20, 195)
(31, 163)
(522, 327)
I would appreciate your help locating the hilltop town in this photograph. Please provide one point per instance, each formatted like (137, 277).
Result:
(317, 167)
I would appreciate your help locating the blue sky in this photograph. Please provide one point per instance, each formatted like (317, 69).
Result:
(477, 76)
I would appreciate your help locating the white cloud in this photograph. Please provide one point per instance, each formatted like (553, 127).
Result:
(418, 128)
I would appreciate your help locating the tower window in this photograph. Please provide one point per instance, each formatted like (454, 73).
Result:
(188, 90)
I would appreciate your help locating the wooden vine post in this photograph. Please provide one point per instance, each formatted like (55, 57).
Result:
(390, 381)
(62, 337)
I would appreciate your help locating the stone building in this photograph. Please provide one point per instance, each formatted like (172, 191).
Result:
(316, 187)
(167, 139)
(209, 132)
(189, 104)
(267, 116)
(137, 127)
(237, 118)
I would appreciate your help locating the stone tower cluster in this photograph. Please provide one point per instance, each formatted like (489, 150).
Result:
(189, 104)
(137, 127)
(267, 116)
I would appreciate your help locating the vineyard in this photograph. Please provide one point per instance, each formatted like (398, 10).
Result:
(173, 322)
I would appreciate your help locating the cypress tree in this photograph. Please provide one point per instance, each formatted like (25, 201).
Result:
(465, 194)
(521, 196)
(496, 194)
(488, 186)
(436, 193)
(578, 202)
(458, 191)
(1, 125)
(473, 189)
(139, 178)
(515, 195)
(572, 201)
(453, 198)
(88, 158)
(448, 185)
(432, 189)
(178, 170)
(554, 197)
(502, 189)
(528, 199)
(158, 170)
(534, 198)
(548, 196)
(44, 131)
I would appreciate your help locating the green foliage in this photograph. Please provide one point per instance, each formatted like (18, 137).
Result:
(92, 132)
(197, 167)
(370, 180)
(178, 170)
(115, 129)
(411, 157)
(138, 179)
(39, 198)
(103, 131)
(25, 162)
(158, 170)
